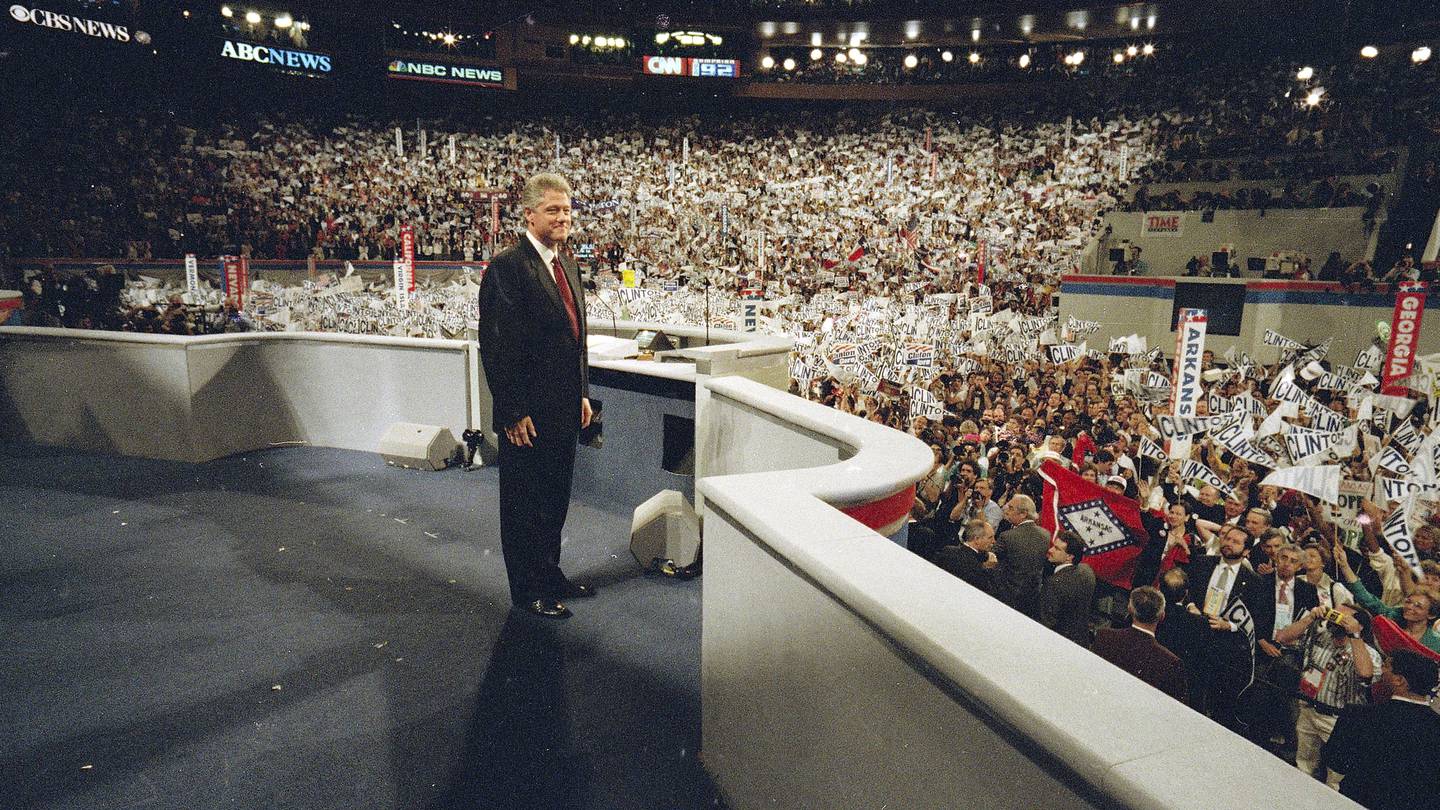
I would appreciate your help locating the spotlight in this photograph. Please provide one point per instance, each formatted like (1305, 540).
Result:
(1150, 22)
(860, 58)
(974, 58)
(1024, 61)
(1420, 54)
(575, 39)
(815, 54)
(854, 54)
(840, 57)
(1369, 51)
(449, 38)
(1148, 49)
(767, 62)
(975, 35)
(1118, 58)
(1304, 74)
(947, 56)
(1134, 23)
(816, 38)
(283, 21)
(227, 12)
(911, 61)
(1132, 51)
(185, 13)
(660, 38)
(1078, 56)
(585, 40)
(1314, 96)
(252, 17)
(789, 64)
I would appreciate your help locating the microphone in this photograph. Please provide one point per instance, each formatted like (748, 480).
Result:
(707, 308)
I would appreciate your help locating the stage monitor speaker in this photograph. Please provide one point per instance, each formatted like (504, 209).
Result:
(422, 447)
(665, 528)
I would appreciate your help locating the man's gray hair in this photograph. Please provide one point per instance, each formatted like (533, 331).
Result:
(975, 527)
(1025, 505)
(537, 185)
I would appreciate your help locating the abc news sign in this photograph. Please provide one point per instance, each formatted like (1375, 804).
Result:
(690, 66)
(282, 59)
(469, 75)
(76, 25)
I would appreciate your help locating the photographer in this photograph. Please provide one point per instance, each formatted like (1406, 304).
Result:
(1336, 668)
(979, 502)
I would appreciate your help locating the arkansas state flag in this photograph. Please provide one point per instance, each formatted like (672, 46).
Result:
(1108, 522)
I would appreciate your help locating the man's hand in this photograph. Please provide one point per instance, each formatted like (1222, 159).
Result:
(585, 413)
(1269, 649)
(522, 432)
(1265, 569)
(1217, 623)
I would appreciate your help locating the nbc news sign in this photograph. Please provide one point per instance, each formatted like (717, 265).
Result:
(285, 60)
(446, 73)
(57, 21)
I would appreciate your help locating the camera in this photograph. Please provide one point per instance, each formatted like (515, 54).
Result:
(1335, 618)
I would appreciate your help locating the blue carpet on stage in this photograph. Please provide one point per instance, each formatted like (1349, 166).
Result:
(306, 627)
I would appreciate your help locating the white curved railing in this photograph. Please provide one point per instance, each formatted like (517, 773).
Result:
(839, 670)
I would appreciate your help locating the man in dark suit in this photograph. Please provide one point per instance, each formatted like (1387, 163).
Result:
(532, 342)
(1135, 648)
(972, 560)
(1387, 751)
(1277, 600)
(1224, 660)
(1021, 551)
(1066, 594)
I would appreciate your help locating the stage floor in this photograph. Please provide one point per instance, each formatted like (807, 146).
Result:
(306, 627)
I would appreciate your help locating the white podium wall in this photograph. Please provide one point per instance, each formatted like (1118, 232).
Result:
(839, 670)
(199, 398)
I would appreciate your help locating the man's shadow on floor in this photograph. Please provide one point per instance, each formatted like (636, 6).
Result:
(519, 749)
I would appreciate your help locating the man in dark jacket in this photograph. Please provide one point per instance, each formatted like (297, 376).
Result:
(1387, 751)
(1135, 648)
(1067, 593)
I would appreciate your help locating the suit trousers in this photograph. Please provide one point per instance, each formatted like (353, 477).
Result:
(534, 500)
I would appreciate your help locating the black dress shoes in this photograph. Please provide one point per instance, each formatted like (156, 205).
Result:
(575, 590)
(550, 608)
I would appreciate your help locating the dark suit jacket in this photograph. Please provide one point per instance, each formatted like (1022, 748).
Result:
(1221, 646)
(1261, 601)
(534, 366)
(1138, 653)
(1022, 564)
(1065, 602)
(1199, 572)
(1387, 753)
(967, 564)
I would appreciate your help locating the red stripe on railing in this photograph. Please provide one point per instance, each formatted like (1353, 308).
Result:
(885, 512)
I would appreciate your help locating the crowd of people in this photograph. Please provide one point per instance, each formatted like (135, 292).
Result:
(913, 257)
(1330, 192)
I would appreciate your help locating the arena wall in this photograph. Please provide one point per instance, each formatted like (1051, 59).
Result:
(1315, 231)
(1304, 311)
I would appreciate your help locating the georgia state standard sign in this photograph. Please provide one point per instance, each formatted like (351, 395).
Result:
(1404, 335)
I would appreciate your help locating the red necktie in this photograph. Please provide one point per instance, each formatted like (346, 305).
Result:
(564, 285)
